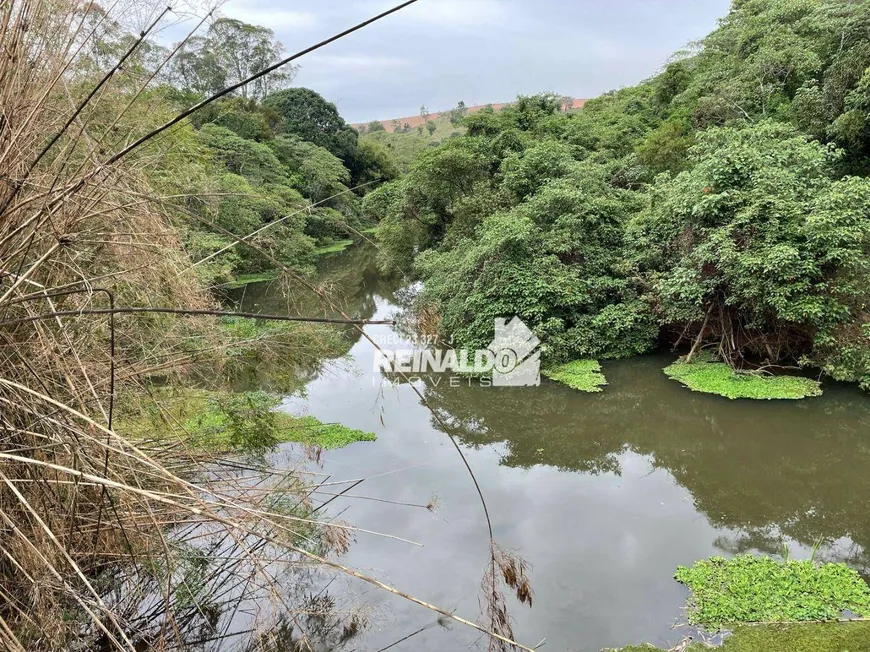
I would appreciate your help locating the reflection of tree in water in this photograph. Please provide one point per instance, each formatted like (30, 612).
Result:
(538, 425)
(350, 279)
(767, 469)
(352, 282)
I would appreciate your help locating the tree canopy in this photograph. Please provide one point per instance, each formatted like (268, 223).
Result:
(722, 204)
(310, 117)
(229, 52)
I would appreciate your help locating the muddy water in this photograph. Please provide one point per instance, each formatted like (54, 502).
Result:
(605, 494)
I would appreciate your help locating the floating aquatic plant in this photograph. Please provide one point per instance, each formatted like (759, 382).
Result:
(582, 375)
(709, 377)
(753, 589)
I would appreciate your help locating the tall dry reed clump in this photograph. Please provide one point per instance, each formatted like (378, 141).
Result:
(106, 543)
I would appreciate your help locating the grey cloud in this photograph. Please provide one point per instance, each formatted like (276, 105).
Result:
(441, 51)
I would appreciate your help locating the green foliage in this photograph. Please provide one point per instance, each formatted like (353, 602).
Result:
(372, 163)
(255, 161)
(718, 378)
(553, 259)
(229, 52)
(310, 117)
(334, 248)
(666, 149)
(242, 280)
(244, 209)
(725, 201)
(403, 145)
(527, 171)
(244, 422)
(804, 637)
(817, 637)
(245, 118)
(253, 182)
(318, 174)
(749, 589)
(249, 422)
(308, 430)
(582, 375)
(760, 221)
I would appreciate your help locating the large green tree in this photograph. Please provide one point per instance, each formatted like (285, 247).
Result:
(229, 52)
(309, 116)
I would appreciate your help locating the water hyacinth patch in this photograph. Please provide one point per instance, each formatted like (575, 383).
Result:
(582, 375)
(752, 589)
(718, 378)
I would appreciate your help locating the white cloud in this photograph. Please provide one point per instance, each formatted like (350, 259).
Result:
(457, 13)
(356, 62)
(257, 13)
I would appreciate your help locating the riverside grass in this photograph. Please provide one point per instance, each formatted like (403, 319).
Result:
(710, 377)
(582, 375)
(243, 421)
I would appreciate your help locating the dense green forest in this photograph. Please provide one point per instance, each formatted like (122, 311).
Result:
(721, 205)
(274, 161)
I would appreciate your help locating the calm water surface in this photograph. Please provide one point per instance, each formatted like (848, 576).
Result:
(606, 494)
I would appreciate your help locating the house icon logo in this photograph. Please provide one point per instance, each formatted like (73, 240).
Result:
(516, 355)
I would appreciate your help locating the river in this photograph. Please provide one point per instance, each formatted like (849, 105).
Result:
(605, 494)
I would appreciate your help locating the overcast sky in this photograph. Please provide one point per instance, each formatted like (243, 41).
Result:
(438, 52)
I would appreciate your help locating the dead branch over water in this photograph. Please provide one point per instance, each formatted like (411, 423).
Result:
(108, 541)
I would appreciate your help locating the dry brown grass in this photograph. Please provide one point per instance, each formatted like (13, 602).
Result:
(105, 542)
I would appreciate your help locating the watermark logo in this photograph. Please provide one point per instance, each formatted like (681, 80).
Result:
(517, 360)
(511, 360)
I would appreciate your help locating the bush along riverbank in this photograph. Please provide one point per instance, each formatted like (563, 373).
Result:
(730, 217)
(130, 522)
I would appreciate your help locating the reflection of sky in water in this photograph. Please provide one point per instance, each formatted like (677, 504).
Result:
(605, 494)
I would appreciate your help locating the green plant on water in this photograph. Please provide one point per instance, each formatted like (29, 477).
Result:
(710, 377)
(309, 430)
(243, 421)
(247, 279)
(333, 248)
(582, 375)
(248, 421)
(753, 589)
(801, 637)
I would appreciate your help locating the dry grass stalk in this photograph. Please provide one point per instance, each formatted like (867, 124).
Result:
(106, 541)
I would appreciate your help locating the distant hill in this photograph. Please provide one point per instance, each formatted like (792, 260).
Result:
(416, 120)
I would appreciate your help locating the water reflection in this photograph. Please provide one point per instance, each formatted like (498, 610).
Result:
(351, 280)
(772, 470)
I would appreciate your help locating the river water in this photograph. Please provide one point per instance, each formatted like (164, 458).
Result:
(605, 494)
